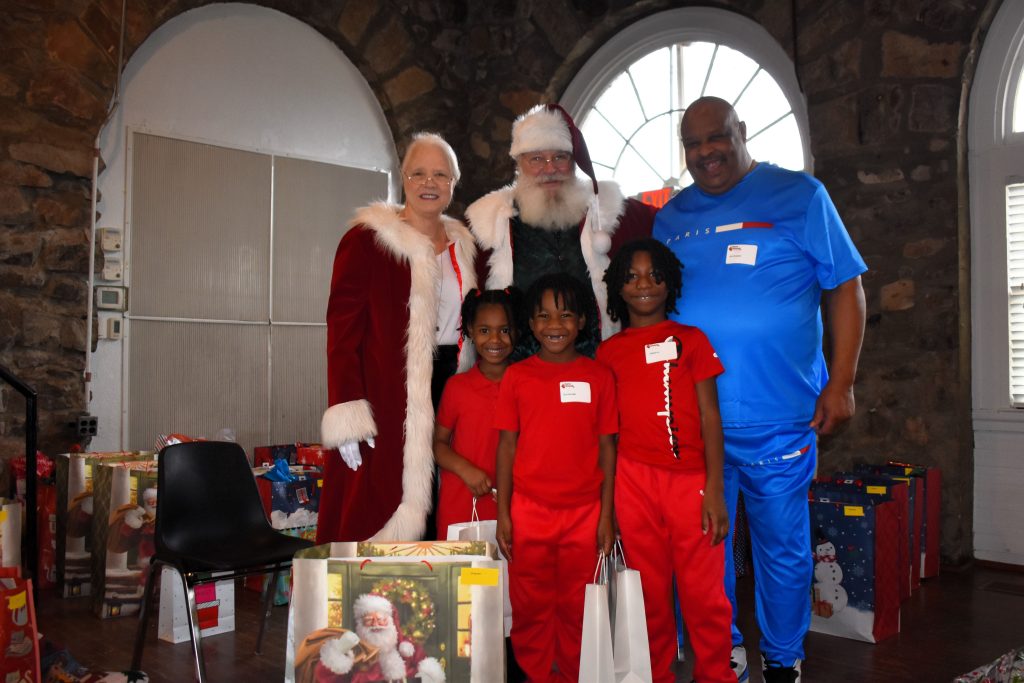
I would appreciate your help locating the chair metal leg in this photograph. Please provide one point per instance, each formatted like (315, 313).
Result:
(147, 598)
(193, 626)
(268, 604)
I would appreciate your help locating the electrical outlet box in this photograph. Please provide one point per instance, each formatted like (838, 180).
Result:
(87, 425)
(110, 239)
(112, 271)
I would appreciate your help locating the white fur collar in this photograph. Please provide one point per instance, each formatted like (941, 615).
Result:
(399, 239)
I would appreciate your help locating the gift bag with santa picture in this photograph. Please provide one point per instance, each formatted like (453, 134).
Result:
(19, 640)
(477, 529)
(124, 521)
(428, 612)
(73, 475)
(855, 545)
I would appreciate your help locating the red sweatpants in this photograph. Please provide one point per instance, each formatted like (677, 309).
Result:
(554, 552)
(658, 511)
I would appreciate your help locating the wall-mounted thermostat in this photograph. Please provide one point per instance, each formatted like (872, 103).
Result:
(110, 298)
(114, 328)
(110, 239)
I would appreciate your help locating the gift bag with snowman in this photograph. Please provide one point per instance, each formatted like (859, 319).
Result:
(857, 573)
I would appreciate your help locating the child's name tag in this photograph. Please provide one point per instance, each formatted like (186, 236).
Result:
(744, 254)
(575, 392)
(660, 352)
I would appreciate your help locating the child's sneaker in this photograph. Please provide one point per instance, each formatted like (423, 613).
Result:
(739, 663)
(774, 672)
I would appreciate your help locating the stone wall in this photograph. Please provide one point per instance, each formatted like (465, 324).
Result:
(882, 80)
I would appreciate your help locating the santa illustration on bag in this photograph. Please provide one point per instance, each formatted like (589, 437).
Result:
(376, 651)
(829, 596)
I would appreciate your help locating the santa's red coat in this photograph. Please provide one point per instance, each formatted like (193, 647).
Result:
(381, 320)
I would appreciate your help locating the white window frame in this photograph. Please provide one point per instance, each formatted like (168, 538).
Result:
(683, 25)
(996, 157)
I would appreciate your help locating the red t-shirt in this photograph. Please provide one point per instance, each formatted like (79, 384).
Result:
(467, 408)
(559, 410)
(656, 370)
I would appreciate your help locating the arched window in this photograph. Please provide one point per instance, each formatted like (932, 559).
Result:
(629, 97)
(996, 145)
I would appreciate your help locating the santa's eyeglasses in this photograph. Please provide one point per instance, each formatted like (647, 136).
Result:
(376, 619)
(536, 161)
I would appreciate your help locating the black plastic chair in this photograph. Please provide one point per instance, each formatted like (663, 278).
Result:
(209, 518)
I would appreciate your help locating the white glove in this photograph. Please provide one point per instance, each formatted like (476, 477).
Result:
(134, 518)
(350, 454)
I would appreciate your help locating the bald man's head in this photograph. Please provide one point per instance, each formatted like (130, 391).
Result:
(715, 144)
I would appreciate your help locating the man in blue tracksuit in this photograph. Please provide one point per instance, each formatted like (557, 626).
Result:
(759, 246)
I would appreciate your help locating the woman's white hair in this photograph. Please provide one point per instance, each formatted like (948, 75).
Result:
(422, 139)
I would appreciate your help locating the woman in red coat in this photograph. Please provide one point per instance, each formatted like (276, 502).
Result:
(399, 277)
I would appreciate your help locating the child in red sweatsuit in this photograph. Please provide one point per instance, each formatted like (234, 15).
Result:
(556, 467)
(669, 499)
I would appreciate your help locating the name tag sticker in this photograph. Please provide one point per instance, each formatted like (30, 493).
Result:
(742, 254)
(479, 576)
(853, 511)
(575, 392)
(876, 489)
(660, 352)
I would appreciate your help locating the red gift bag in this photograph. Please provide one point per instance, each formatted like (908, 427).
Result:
(19, 639)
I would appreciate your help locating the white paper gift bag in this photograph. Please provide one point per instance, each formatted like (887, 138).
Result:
(485, 530)
(632, 650)
(596, 662)
(215, 604)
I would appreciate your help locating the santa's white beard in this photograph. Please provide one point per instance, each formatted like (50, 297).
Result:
(384, 638)
(560, 211)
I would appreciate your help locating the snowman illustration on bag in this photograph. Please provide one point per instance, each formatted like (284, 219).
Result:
(829, 595)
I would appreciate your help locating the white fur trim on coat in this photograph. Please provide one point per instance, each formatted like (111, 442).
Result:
(349, 421)
(489, 221)
(411, 247)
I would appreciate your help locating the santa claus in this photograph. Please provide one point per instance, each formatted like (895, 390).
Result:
(376, 652)
(549, 220)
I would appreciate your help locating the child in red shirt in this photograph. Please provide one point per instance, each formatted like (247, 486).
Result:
(669, 498)
(556, 467)
(465, 440)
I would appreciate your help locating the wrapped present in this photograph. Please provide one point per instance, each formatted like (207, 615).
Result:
(124, 520)
(294, 503)
(46, 510)
(394, 611)
(312, 455)
(74, 505)
(215, 607)
(266, 456)
(1009, 668)
(857, 573)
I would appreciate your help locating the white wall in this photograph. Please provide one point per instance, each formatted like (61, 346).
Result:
(238, 76)
(996, 154)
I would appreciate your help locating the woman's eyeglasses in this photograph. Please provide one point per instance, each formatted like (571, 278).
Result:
(421, 177)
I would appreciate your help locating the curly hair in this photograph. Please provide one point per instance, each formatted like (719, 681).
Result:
(509, 299)
(569, 292)
(662, 260)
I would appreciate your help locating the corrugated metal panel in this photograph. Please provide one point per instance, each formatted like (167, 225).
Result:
(299, 380)
(313, 203)
(200, 230)
(196, 378)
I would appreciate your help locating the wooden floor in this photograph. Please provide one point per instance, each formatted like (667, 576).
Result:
(954, 623)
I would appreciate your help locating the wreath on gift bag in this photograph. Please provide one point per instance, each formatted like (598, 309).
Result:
(416, 611)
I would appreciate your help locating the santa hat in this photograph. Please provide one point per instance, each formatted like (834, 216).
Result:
(549, 127)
